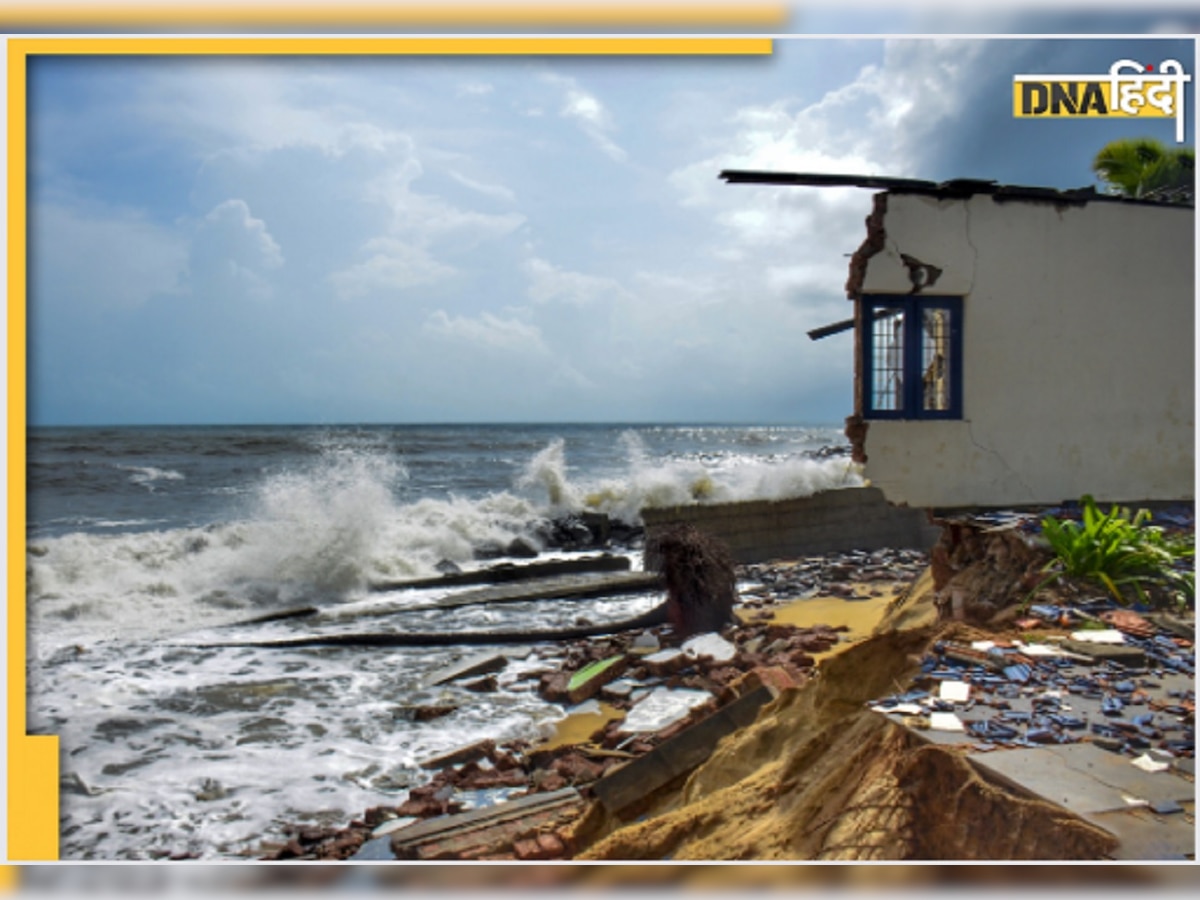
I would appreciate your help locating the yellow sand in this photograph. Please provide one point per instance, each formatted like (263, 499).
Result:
(819, 777)
(860, 616)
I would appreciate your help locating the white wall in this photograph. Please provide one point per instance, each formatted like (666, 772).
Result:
(1079, 353)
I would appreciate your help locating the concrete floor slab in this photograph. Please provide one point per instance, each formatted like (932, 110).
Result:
(1083, 778)
(1146, 836)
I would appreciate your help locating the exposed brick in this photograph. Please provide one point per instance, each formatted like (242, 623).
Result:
(551, 845)
(529, 849)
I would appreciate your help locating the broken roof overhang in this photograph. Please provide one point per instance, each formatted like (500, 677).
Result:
(826, 330)
(846, 325)
(955, 188)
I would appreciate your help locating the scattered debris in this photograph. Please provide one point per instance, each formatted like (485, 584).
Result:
(637, 780)
(480, 664)
(676, 696)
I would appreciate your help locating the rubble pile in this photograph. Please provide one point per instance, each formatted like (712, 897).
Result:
(940, 736)
(676, 687)
(846, 575)
(654, 687)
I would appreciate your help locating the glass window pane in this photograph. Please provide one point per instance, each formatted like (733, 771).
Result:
(935, 359)
(887, 364)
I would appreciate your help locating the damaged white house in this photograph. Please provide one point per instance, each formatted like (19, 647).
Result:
(1019, 346)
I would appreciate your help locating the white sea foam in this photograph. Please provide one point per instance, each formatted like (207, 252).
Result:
(171, 748)
(323, 533)
(647, 482)
(146, 476)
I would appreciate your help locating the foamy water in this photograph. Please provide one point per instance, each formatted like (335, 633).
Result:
(174, 747)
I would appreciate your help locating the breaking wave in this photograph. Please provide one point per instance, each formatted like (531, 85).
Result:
(320, 533)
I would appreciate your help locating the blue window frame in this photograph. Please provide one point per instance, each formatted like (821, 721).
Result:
(912, 357)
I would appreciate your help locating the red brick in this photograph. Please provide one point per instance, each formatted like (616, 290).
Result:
(551, 845)
(530, 849)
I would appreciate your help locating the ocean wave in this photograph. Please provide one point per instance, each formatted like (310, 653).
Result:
(322, 532)
(682, 480)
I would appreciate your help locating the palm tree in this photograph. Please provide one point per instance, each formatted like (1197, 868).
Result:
(1144, 167)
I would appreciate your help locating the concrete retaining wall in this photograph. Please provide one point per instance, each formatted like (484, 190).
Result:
(828, 522)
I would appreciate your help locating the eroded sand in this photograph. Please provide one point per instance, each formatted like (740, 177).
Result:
(817, 777)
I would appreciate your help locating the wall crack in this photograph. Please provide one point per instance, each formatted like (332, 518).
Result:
(971, 244)
(1003, 462)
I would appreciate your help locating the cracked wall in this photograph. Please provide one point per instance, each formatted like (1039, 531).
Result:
(1078, 351)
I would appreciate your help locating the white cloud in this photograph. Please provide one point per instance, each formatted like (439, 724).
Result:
(232, 253)
(496, 191)
(392, 265)
(550, 284)
(243, 106)
(475, 89)
(592, 116)
(879, 123)
(422, 218)
(488, 331)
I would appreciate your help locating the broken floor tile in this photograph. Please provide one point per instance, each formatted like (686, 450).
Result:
(662, 708)
(710, 645)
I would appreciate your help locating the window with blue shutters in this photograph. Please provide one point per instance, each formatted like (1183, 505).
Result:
(912, 357)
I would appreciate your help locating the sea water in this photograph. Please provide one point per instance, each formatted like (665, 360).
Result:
(146, 547)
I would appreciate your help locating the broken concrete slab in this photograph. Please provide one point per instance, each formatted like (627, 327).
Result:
(588, 681)
(563, 587)
(479, 664)
(492, 828)
(465, 754)
(503, 572)
(711, 646)
(1144, 835)
(665, 662)
(1176, 625)
(1125, 654)
(621, 788)
(645, 644)
(277, 616)
(1082, 778)
(661, 709)
(621, 689)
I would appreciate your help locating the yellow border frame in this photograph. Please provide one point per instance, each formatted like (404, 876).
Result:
(625, 13)
(33, 762)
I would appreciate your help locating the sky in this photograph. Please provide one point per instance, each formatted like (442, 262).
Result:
(483, 240)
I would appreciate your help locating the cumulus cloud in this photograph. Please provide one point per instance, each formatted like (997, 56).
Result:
(424, 217)
(391, 265)
(880, 123)
(232, 253)
(476, 259)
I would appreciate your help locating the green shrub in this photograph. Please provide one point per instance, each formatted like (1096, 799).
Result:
(1120, 552)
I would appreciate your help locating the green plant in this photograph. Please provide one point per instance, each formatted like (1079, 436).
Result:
(1145, 167)
(1118, 551)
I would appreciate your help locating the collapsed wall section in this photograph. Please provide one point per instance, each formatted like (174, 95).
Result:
(832, 521)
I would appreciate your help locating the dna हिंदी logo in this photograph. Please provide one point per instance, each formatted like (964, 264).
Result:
(1129, 90)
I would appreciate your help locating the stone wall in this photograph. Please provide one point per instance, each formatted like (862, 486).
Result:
(828, 522)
